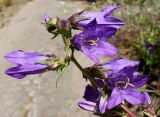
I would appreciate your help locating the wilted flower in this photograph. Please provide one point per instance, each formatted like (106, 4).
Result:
(93, 101)
(92, 41)
(104, 17)
(124, 84)
(27, 63)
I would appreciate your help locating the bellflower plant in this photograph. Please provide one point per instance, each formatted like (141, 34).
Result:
(112, 85)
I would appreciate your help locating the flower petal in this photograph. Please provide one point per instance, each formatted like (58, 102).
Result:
(138, 79)
(109, 9)
(46, 18)
(94, 31)
(120, 63)
(21, 57)
(105, 49)
(91, 55)
(87, 105)
(90, 94)
(115, 98)
(103, 105)
(135, 97)
(147, 98)
(21, 71)
(110, 22)
(103, 17)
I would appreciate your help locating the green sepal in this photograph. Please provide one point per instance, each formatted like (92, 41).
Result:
(96, 72)
(47, 62)
(62, 65)
(61, 71)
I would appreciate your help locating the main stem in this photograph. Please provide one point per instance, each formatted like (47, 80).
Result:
(92, 80)
(130, 114)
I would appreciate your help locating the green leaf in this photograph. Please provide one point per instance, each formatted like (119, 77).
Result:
(150, 91)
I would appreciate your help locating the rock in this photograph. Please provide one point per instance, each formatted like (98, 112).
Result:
(37, 95)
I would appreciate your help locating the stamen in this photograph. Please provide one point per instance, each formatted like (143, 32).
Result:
(123, 84)
(92, 42)
(119, 83)
(128, 83)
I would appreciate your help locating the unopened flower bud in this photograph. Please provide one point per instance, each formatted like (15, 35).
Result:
(53, 66)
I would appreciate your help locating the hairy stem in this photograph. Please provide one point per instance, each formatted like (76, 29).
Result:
(130, 114)
(92, 80)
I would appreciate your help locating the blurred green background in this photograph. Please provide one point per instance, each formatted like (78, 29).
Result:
(140, 37)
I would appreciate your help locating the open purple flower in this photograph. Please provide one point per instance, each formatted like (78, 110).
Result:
(27, 63)
(104, 17)
(93, 101)
(124, 84)
(92, 41)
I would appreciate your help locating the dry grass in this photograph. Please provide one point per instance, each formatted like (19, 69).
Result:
(8, 8)
(4, 3)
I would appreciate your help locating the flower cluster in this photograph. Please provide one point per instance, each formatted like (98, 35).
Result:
(111, 84)
(124, 81)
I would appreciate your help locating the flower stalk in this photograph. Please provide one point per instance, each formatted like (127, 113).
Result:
(92, 80)
(125, 109)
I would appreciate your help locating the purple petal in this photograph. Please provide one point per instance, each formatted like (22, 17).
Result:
(135, 97)
(128, 72)
(115, 98)
(120, 63)
(138, 80)
(90, 94)
(91, 16)
(109, 21)
(94, 31)
(21, 71)
(91, 55)
(87, 105)
(105, 49)
(147, 98)
(103, 17)
(21, 57)
(109, 9)
(46, 18)
(103, 105)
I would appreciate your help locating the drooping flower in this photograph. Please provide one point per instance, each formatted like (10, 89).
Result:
(93, 101)
(27, 63)
(104, 17)
(92, 41)
(124, 84)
